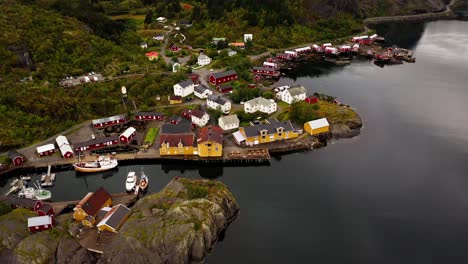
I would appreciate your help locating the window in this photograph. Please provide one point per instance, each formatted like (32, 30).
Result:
(37, 227)
(208, 145)
(46, 226)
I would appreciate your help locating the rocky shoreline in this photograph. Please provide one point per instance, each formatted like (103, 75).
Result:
(180, 224)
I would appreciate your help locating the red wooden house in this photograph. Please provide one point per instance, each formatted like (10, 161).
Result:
(149, 116)
(98, 143)
(311, 100)
(265, 71)
(127, 136)
(16, 157)
(283, 56)
(45, 150)
(17, 202)
(303, 50)
(187, 113)
(45, 209)
(345, 48)
(40, 223)
(224, 88)
(365, 41)
(223, 77)
(175, 48)
(176, 120)
(109, 121)
(272, 65)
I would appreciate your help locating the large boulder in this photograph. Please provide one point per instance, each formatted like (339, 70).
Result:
(181, 224)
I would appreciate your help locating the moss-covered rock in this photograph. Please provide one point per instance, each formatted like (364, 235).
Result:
(180, 224)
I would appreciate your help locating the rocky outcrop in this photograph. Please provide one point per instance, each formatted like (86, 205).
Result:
(181, 224)
(349, 129)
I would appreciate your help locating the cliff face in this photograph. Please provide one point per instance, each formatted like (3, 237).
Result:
(181, 224)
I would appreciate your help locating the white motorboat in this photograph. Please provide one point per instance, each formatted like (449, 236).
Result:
(101, 164)
(143, 181)
(131, 181)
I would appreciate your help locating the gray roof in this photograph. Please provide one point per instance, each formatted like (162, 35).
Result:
(201, 88)
(186, 83)
(202, 57)
(297, 90)
(229, 119)
(95, 141)
(260, 100)
(224, 74)
(176, 128)
(219, 100)
(271, 126)
(13, 154)
(149, 114)
(108, 119)
(117, 216)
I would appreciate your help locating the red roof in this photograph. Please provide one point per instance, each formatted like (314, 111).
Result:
(152, 54)
(198, 113)
(174, 139)
(214, 133)
(96, 201)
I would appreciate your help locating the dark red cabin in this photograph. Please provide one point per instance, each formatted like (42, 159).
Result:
(223, 77)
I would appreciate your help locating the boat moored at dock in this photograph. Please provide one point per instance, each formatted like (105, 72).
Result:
(101, 164)
(131, 181)
(143, 181)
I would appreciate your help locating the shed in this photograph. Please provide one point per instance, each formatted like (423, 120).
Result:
(317, 126)
(16, 157)
(40, 223)
(127, 136)
(114, 218)
(64, 146)
(311, 100)
(45, 150)
(222, 77)
(149, 116)
(45, 209)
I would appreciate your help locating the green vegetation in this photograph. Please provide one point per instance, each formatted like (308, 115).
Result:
(303, 112)
(245, 118)
(242, 94)
(151, 135)
(196, 192)
(5, 209)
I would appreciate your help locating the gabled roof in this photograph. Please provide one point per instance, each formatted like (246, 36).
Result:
(15, 201)
(203, 57)
(96, 201)
(318, 123)
(108, 119)
(149, 114)
(176, 128)
(45, 148)
(297, 90)
(176, 98)
(260, 101)
(45, 207)
(271, 127)
(224, 74)
(115, 216)
(128, 132)
(39, 221)
(95, 141)
(210, 133)
(229, 119)
(61, 140)
(13, 154)
(198, 113)
(217, 99)
(187, 139)
(186, 83)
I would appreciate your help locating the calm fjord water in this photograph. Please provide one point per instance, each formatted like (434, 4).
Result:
(398, 193)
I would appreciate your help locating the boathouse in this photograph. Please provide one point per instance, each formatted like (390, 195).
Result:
(291, 53)
(114, 219)
(85, 211)
(16, 157)
(109, 121)
(149, 116)
(127, 136)
(40, 223)
(283, 56)
(45, 209)
(223, 77)
(345, 48)
(17, 202)
(98, 143)
(210, 142)
(45, 150)
(272, 65)
(64, 146)
(303, 50)
(317, 126)
(265, 71)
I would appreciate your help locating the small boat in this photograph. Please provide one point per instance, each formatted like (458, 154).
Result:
(143, 181)
(14, 182)
(25, 178)
(131, 181)
(101, 164)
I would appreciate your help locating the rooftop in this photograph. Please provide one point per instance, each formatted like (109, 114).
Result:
(96, 201)
(211, 133)
(217, 99)
(297, 90)
(108, 119)
(271, 127)
(260, 101)
(115, 216)
(186, 83)
(187, 139)
(176, 128)
(229, 119)
(198, 113)
(95, 141)
(224, 74)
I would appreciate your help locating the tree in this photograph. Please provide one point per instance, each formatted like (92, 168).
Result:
(149, 17)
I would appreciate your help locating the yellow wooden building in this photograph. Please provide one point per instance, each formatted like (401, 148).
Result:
(86, 210)
(175, 99)
(317, 126)
(272, 130)
(210, 142)
(114, 219)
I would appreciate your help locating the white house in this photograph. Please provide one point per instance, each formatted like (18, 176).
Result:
(216, 102)
(200, 117)
(260, 104)
(229, 122)
(293, 94)
(248, 37)
(202, 92)
(203, 60)
(184, 88)
(144, 45)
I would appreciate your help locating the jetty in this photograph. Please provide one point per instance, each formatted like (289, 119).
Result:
(48, 178)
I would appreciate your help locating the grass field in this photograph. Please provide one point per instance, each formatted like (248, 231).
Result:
(151, 135)
(335, 113)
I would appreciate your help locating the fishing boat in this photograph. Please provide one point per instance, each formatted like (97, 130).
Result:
(131, 181)
(143, 181)
(101, 164)
(35, 193)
